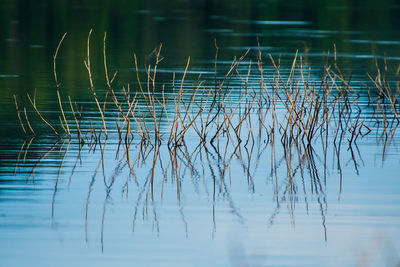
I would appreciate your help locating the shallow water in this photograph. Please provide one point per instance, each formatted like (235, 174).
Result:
(221, 205)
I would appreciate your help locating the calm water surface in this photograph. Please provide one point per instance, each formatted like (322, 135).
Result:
(64, 204)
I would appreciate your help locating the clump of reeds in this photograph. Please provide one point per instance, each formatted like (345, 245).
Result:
(216, 110)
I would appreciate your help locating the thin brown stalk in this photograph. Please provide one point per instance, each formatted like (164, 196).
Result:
(58, 84)
(62, 112)
(19, 116)
(54, 60)
(40, 115)
(88, 68)
(76, 120)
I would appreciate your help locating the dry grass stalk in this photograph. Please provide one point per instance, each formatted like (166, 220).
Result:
(40, 115)
(27, 121)
(19, 116)
(88, 68)
(58, 84)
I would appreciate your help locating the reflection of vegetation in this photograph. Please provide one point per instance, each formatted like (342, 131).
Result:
(243, 116)
(134, 24)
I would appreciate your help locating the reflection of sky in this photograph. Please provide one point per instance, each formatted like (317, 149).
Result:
(366, 212)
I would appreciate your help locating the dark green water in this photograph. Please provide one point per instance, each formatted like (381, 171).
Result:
(69, 216)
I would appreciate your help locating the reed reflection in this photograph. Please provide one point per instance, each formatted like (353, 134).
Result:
(249, 121)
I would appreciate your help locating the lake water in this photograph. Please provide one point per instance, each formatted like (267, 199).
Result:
(262, 201)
